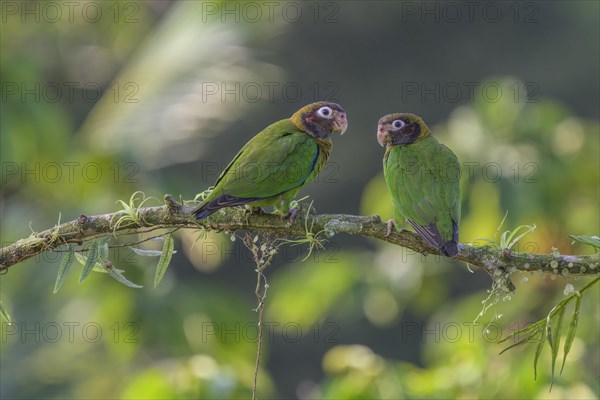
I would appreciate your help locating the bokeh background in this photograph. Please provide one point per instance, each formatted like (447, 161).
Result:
(101, 99)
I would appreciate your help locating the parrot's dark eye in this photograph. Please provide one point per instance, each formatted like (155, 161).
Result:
(325, 112)
(398, 124)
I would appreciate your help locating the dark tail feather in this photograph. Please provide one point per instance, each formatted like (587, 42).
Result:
(432, 236)
(224, 200)
(201, 213)
(429, 233)
(449, 249)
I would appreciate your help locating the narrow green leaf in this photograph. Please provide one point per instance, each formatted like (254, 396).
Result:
(146, 253)
(525, 340)
(503, 241)
(97, 267)
(593, 241)
(5, 314)
(56, 230)
(105, 270)
(555, 341)
(83, 260)
(571, 332)
(125, 206)
(529, 229)
(64, 268)
(525, 330)
(118, 275)
(92, 257)
(103, 248)
(165, 259)
(587, 286)
(538, 350)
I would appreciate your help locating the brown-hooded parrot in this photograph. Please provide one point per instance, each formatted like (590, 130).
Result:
(422, 177)
(276, 163)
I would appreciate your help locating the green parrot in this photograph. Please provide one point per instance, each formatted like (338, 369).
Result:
(276, 163)
(422, 176)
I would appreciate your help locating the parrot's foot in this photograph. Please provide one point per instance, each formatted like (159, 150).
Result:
(253, 210)
(390, 226)
(292, 214)
(248, 211)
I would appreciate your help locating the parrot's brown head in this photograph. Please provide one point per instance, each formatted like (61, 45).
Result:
(321, 119)
(400, 129)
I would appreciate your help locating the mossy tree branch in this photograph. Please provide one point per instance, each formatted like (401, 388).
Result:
(174, 215)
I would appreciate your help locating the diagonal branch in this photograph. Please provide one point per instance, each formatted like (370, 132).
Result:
(173, 215)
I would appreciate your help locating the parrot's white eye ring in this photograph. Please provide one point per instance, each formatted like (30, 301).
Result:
(398, 124)
(325, 112)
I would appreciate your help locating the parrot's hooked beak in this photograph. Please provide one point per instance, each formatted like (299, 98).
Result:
(340, 122)
(381, 135)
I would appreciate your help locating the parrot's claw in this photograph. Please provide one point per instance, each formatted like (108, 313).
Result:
(292, 214)
(253, 210)
(390, 226)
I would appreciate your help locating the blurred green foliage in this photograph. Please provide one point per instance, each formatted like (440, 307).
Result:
(357, 319)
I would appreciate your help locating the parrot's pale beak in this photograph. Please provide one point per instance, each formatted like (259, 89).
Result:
(381, 134)
(341, 123)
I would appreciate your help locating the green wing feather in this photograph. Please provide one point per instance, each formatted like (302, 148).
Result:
(452, 182)
(423, 180)
(277, 161)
